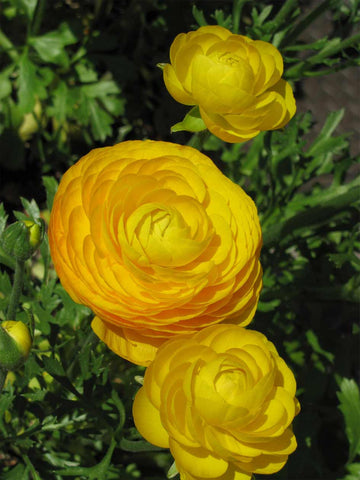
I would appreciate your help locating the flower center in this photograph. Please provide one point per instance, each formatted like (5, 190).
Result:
(172, 234)
(160, 220)
(228, 58)
(231, 382)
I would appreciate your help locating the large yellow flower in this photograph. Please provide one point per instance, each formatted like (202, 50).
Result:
(157, 242)
(223, 401)
(234, 80)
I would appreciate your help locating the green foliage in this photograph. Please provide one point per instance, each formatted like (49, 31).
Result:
(76, 75)
(349, 397)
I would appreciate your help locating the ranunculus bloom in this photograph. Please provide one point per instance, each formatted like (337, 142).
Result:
(157, 242)
(235, 81)
(223, 401)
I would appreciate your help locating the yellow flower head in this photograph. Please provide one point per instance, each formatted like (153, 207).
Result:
(157, 242)
(235, 81)
(223, 401)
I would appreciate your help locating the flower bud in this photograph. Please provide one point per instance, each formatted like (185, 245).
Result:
(15, 344)
(22, 238)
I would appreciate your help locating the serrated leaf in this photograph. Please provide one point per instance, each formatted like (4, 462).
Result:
(199, 16)
(349, 397)
(173, 471)
(138, 446)
(332, 121)
(29, 7)
(16, 473)
(314, 342)
(5, 85)
(100, 121)
(53, 366)
(354, 471)
(3, 218)
(340, 258)
(51, 186)
(59, 99)
(51, 46)
(98, 472)
(192, 122)
(86, 72)
(30, 85)
(27, 84)
(101, 89)
(326, 206)
(31, 208)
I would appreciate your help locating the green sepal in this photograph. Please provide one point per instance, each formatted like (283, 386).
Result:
(22, 238)
(192, 122)
(161, 65)
(11, 354)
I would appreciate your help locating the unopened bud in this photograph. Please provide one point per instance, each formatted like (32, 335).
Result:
(15, 344)
(22, 238)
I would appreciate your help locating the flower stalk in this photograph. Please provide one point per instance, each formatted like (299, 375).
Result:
(16, 289)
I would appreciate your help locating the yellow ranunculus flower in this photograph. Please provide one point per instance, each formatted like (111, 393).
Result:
(235, 81)
(223, 401)
(157, 242)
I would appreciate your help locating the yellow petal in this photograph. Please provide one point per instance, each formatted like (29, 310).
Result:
(127, 343)
(147, 420)
(285, 90)
(197, 461)
(175, 88)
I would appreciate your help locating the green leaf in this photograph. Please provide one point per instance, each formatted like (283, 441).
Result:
(29, 7)
(192, 122)
(3, 218)
(314, 342)
(100, 121)
(15, 473)
(30, 84)
(138, 446)
(221, 20)
(101, 89)
(349, 397)
(173, 471)
(27, 84)
(199, 16)
(54, 367)
(58, 109)
(51, 46)
(98, 472)
(31, 208)
(325, 207)
(330, 125)
(5, 85)
(354, 472)
(51, 186)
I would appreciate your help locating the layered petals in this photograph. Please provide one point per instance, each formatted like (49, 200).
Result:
(157, 242)
(225, 402)
(235, 81)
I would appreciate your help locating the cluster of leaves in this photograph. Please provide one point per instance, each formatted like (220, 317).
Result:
(50, 86)
(69, 83)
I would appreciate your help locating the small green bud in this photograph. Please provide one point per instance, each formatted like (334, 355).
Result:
(15, 344)
(22, 238)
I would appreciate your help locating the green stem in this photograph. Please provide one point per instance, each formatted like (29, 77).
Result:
(306, 22)
(38, 16)
(2, 378)
(8, 46)
(283, 14)
(16, 289)
(236, 14)
(198, 139)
